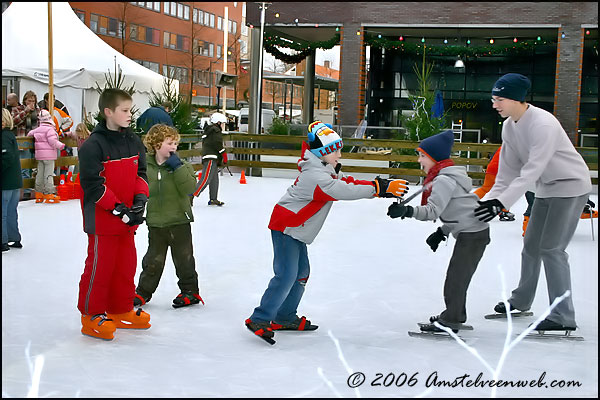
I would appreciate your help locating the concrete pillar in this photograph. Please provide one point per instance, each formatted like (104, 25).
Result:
(255, 90)
(349, 74)
(308, 98)
(567, 89)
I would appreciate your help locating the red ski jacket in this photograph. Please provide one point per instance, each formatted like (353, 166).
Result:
(113, 170)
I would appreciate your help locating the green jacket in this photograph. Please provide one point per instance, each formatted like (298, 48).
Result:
(11, 162)
(169, 202)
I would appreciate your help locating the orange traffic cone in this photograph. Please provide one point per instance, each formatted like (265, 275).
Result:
(243, 178)
(62, 189)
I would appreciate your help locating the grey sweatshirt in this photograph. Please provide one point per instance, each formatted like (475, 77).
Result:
(452, 202)
(538, 155)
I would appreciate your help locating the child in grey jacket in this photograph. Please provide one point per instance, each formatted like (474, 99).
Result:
(297, 219)
(448, 196)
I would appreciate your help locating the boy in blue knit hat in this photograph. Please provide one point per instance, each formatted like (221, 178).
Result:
(297, 219)
(448, 196)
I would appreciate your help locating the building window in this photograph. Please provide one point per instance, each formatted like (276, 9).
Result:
(105, 25)
(80, 15)
(202, 78)
(144, 34)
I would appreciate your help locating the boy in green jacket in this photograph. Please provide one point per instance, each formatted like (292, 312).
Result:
(168, 217)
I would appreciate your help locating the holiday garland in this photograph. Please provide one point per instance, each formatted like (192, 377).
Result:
(526, 46)
(272, 42)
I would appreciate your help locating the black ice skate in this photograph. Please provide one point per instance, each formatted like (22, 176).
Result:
(500, 309)
(433, 318)
(430, 331)
(185, 299)
(300, 324)
(557, 330)
(262, 330)
(140, 301)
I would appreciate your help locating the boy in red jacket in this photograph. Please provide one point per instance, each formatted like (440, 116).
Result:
(115, 191)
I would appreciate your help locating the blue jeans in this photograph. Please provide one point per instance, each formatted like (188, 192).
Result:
(10, 224)
(290, 264)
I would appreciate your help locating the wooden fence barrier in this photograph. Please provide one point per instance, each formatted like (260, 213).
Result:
(468, 154)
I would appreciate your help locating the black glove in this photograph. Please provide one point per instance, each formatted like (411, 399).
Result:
(390, 187)
(396, 210)
(488, 209)
(126, 215)
(435, 239)
(173, 161)
(139, 204)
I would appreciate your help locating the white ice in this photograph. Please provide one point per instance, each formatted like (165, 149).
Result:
(372, 279)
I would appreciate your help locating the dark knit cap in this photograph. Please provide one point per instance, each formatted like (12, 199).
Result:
(512, 86)
(438, 147)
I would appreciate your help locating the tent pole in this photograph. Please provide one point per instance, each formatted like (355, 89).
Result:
(50, 103)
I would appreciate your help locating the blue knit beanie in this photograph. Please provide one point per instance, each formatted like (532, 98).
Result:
(437, 147)
(512, 86)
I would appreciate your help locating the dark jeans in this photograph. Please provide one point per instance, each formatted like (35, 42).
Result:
(290, 264)
(467, 253)
(179, 238)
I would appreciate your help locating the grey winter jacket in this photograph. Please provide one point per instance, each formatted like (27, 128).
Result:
(452, 202)
(302, 210)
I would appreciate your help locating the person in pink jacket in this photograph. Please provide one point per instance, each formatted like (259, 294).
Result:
(46, 146)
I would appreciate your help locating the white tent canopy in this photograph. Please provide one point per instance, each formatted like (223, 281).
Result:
(80, 58)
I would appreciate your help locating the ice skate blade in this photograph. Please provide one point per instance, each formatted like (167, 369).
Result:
(432, 335)
(121, 325)
(512, 314)
(96, 335)
(462, 327)
(554, 335)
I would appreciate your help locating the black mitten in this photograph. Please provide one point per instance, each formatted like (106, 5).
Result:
(435, 239)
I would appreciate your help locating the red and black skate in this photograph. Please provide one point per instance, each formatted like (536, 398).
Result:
(300, 324)
(262, 330)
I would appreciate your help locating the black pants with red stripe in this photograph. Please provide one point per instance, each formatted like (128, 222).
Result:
(210, 177)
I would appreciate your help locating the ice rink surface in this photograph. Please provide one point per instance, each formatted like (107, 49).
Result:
(372, 279)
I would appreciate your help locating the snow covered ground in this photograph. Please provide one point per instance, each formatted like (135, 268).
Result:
(372, 280)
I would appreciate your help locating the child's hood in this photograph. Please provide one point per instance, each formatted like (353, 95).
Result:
(310, 162)
(459, 174)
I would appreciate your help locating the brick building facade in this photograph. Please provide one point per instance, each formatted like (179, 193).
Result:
(568, 21)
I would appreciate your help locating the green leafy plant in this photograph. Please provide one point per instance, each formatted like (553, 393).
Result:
(279, 127)
(181, 114)
(115, 81)
(421, 124)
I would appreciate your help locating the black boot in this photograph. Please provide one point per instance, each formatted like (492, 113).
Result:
(547, 325)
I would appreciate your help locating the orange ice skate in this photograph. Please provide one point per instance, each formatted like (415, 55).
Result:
(52, 198)
(131, 320)
(39, 197)
(98, 326)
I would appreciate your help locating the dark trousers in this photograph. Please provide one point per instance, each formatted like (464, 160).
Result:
(179, 238)
(467, 253)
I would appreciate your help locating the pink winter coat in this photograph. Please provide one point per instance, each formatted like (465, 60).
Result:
(46, 142)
